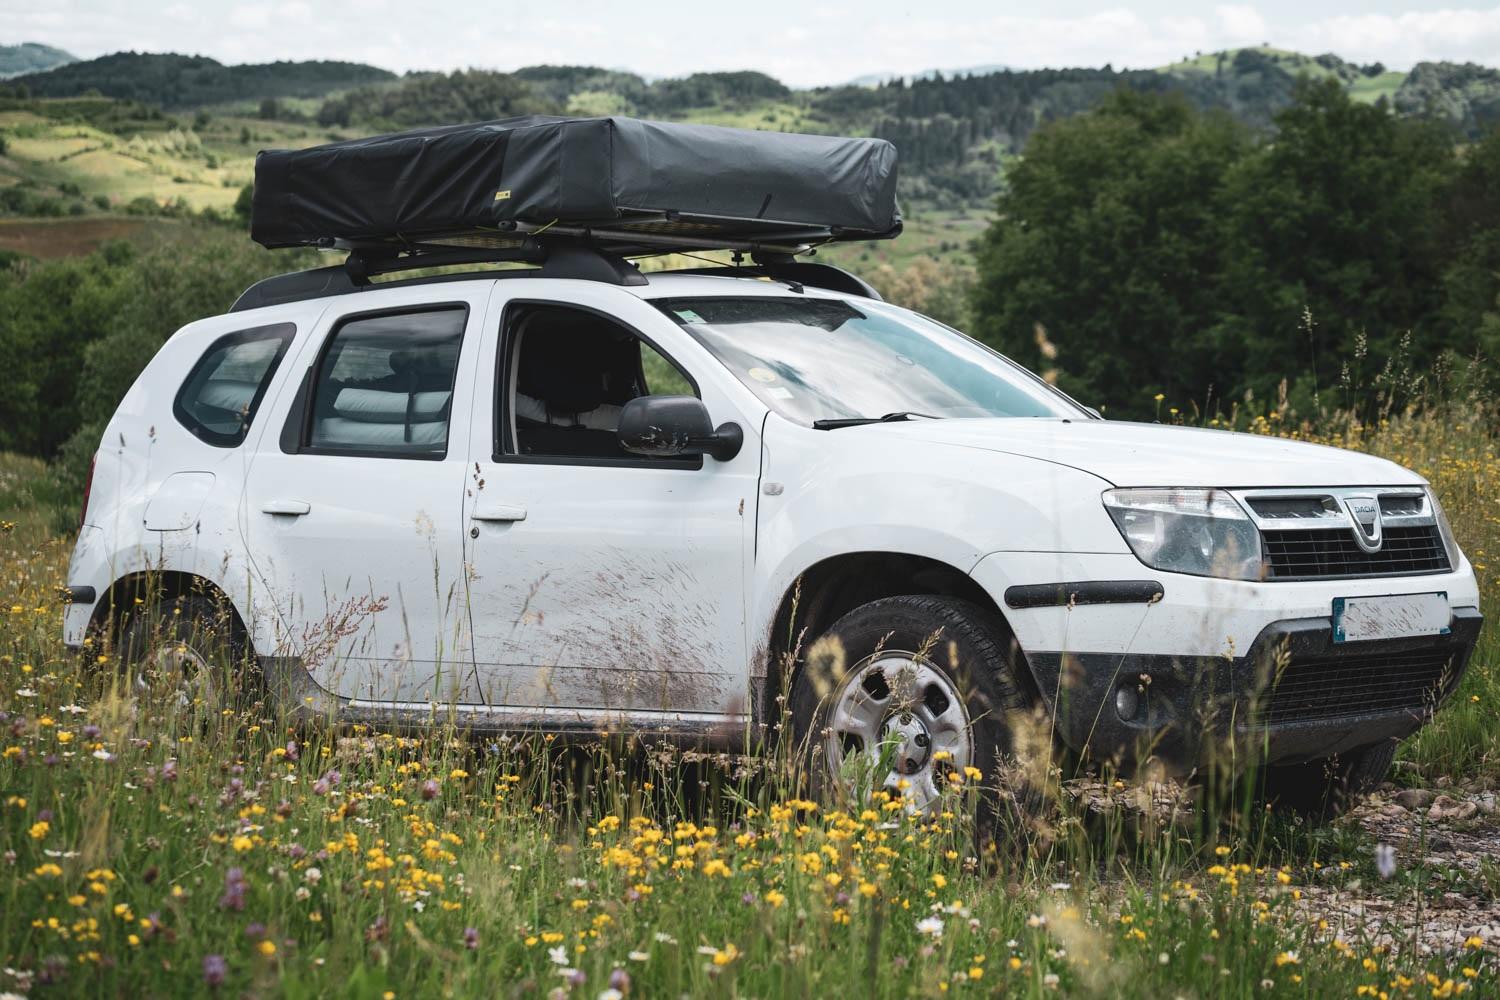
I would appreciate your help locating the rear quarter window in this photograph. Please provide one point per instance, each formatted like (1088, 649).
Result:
(219, 397)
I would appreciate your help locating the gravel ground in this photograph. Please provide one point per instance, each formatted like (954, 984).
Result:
(1451, 836)
(1441, 883)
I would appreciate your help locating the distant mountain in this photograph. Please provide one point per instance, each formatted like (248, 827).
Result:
(31, 57)
(876, 79)
(955, 128)
(178, 81)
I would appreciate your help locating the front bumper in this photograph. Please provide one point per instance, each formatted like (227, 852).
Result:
(1296, 695)
(1204, 643)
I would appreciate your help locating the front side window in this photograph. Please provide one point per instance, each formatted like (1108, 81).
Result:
(571, 373)
(385, 384)
(813, 359)
(219, 397)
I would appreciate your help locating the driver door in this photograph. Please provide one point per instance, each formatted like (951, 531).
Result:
(602, 584)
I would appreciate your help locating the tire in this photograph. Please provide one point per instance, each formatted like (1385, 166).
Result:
(888, 672)
(191, 648)
(1325, 789)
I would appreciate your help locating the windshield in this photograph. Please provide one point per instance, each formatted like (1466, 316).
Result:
(812, 360)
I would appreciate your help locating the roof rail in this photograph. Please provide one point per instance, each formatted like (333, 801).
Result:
(782, 267)
(557, 259)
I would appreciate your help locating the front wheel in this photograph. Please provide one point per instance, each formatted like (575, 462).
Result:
(904, 693)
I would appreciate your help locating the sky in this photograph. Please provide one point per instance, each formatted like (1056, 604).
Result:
(801, 42)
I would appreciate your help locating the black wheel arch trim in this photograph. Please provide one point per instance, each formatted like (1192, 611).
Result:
(1048, 595)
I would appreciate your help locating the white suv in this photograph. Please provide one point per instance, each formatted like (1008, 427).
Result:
(582, 498)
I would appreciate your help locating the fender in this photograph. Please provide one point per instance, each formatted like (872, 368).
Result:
(886, 493)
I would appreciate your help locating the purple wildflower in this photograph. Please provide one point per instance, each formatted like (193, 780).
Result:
(214, 969)
(471, 938)
(235, 885)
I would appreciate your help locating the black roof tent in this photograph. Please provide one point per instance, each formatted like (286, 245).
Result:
(621, 185)
(574, 195)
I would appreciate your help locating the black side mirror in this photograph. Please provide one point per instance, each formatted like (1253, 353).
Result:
(664, 426)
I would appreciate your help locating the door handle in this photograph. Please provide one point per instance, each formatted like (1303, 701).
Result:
(286, 508)
(499, 512)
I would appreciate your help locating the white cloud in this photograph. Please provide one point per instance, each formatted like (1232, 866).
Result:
(1403, 39)
(1242, 22)
(250, 16)
(802, 43)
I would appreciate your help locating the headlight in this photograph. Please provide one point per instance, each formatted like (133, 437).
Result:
(1201, 532)
(1445, 530)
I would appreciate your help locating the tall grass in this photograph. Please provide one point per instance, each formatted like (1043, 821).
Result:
(161, 848)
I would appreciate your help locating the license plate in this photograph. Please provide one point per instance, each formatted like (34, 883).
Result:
(1391, 616)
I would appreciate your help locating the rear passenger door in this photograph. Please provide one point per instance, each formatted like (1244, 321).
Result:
(352, 512)
(603, 584)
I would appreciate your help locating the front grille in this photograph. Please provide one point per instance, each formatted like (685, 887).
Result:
(1320, 688)
(1323, 553)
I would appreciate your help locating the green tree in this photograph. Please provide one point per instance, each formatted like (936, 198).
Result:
(1167, 251)
(1471, 280)
(1334, 217)
(1107, 237)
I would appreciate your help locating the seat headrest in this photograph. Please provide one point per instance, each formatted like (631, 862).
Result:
(567, 357)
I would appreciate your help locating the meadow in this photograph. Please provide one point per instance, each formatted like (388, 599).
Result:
(157, 848)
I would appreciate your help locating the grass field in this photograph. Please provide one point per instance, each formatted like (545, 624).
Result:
(202, 164)
(162, 849)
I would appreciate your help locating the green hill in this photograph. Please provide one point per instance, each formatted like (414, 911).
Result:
(163, 133)
(173, 81)
(31, 57)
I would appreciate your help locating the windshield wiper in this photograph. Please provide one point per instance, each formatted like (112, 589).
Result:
(890, 418)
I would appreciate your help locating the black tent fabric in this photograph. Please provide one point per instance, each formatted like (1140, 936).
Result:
(430, 185)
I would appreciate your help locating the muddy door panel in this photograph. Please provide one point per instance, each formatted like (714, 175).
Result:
(620, 590)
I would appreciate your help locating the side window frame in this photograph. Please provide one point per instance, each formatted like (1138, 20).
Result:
(284, 332)
(296, 433)
(503, 448)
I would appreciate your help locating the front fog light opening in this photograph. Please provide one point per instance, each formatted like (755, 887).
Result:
(1127, 701)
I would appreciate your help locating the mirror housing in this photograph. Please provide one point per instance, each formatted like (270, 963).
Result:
(668, 426)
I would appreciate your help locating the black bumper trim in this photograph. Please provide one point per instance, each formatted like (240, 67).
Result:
(1188, 706)
(79, 595)
(1049, 595)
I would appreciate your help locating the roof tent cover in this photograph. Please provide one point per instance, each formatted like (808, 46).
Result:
(468, 185)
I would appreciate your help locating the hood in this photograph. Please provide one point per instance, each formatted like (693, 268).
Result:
(1131, 454)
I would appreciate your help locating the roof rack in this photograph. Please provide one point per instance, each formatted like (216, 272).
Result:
(555, 258)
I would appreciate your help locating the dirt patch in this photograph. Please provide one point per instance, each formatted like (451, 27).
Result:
(51, 238)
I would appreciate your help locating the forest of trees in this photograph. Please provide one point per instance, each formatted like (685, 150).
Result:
(175, 81)
(1165, 250)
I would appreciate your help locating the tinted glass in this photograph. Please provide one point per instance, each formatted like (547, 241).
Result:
(218, 399)
(574, 372)
(385, 384)
(827, 359)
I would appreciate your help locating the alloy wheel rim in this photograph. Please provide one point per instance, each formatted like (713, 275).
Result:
(901, 718)
(187, 670)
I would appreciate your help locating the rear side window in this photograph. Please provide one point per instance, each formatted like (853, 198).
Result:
(220, 396)
(385, 385)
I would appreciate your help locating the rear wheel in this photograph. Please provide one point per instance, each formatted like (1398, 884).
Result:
(189, 652)
(1323, 790)
(905, 692)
